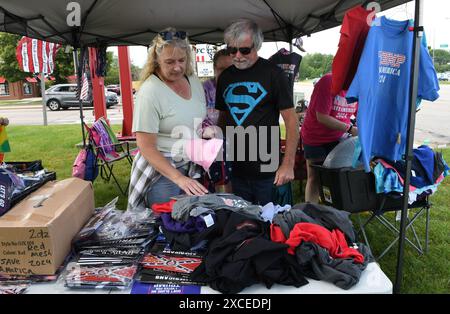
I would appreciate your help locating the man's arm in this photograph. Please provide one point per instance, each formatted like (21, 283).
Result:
(285, 173)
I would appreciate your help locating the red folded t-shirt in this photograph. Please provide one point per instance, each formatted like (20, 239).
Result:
(163, 207)
(333, 241)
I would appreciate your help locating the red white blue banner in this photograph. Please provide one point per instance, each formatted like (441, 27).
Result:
(36, 56)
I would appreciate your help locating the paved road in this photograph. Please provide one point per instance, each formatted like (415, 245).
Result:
(32, 115)
(432, 121)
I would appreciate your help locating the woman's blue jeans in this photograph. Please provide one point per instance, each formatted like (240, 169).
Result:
(162, 190)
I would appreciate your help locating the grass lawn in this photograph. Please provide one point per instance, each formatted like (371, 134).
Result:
(21, 102)
(55, 146)
(429, 273)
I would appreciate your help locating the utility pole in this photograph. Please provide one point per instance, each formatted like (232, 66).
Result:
(44, 105)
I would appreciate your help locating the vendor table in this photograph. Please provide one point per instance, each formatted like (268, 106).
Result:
(372, 281)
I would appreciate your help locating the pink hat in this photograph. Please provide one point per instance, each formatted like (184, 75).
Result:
(203, 152)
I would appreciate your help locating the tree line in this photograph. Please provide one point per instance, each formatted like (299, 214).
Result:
(316, 65)
(441, 60)
(312, 66)
(9, 67)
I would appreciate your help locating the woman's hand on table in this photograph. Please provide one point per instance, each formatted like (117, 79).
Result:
(190, 186)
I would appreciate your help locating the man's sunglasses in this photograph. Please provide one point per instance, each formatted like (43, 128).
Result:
(242, 50)
(170, 35)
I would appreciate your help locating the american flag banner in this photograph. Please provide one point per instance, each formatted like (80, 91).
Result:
(84, 88)
(84, 91)
(36, 56)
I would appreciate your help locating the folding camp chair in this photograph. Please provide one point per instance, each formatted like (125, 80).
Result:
(108, 150)
(353, 190)
(420, 207)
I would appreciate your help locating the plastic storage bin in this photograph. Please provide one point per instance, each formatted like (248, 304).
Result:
(7, 201)
(353, 190)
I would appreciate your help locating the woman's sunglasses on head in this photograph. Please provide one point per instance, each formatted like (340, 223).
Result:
(170, 35)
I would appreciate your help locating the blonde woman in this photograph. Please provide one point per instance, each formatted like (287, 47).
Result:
(170, 98)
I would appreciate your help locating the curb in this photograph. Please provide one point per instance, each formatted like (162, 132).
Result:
(38, 106)
(20, 107)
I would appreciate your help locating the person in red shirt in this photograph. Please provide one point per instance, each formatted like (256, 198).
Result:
(327, 120)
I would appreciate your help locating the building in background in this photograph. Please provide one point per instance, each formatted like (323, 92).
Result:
(27, 88)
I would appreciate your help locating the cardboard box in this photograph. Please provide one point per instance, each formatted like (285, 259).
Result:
(36, 234)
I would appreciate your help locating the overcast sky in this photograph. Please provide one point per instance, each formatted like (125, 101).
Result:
(436, 22)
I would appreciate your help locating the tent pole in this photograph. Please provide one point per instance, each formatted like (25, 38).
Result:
(79, 79)
(126, 90)
(290, 36)
(44, 105)
(418, 33)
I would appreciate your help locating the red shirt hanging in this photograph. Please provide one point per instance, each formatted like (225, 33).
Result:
(354, 30)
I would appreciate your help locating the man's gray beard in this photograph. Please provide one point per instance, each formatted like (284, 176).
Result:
(242, 65)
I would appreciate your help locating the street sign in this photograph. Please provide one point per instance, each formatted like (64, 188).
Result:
(205, 69)
(204, 52)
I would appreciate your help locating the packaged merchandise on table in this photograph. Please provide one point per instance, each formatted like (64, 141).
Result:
(161, 288)
(165, 263)
(110, 255)
(13, 287)
(179, 279)
(19, 179)
(112, 228)
(119, 277)
(109, 249)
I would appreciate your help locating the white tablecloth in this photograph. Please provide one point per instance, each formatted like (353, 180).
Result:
(372, 281)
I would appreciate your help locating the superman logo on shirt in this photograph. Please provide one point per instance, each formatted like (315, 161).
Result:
(241, 98)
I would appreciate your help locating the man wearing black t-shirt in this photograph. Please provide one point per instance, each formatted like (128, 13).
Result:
(251, 94)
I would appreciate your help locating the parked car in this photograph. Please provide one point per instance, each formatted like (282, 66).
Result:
(116, 88)
(63, 96)
(443, 79)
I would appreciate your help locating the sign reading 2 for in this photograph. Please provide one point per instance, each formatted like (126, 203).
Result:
(241, 98)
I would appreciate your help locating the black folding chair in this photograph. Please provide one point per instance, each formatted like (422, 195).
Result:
(420, 207)
(353, 190)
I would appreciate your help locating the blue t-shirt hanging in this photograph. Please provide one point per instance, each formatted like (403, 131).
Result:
(381, 86)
